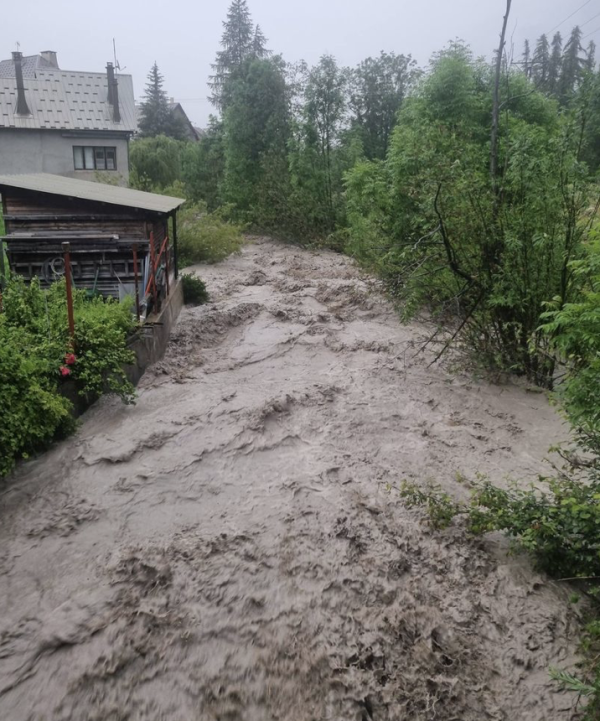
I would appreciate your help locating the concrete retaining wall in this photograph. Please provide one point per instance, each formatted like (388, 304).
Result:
(150, 342)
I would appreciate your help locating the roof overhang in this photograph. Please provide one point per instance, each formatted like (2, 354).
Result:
(95, 192)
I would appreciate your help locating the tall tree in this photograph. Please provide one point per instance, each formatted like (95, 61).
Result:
(377, 88)
(237, 44)
(540, 63)
(156, 117)
(527, 59)
(590, 57)
(555, 64)
(325, 112)
(494, 145)
(256, 129)
(572, 66)
(259, 44)
(203, 165)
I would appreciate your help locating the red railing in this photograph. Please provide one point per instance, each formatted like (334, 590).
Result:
(154, 266)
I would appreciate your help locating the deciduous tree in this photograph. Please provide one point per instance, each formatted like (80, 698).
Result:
(377, 88)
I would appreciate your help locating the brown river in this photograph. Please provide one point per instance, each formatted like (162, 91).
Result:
(233, 547)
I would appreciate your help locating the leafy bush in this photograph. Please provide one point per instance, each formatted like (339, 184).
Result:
(194, 290)
(155, 163)
(574, 329)
(441, 509)
(489, 251)
(37, 356)
(33, 413)
(102, 327)
(559, 527)
(587, 684)
(205, 237)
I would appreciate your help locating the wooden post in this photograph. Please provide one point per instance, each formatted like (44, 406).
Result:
(135, 275)
(2, 266)
(66, 246)
(175, 263)
(153, 271)
(167, 262)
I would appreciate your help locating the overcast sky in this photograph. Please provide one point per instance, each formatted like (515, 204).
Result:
(183, 36)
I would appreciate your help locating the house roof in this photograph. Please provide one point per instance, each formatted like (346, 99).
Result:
(63, 99)
(177, 110)
(87, 190)
(31, 64)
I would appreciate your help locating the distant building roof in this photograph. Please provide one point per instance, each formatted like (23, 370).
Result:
(187, 127)
(63, 99)
(86, 190)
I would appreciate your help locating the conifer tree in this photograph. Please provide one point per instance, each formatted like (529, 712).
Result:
(572, 66)
(155, 114)
(237, 44)
(590, 57)
(540, 63)
(527, 59)
(259, 44)
(555, 64)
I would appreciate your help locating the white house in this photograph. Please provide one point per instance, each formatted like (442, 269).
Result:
(64, 122)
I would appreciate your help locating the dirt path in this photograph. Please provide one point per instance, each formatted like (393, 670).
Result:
(229, 549)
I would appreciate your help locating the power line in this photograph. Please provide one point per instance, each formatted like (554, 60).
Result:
(569, 17)
(593, 31)
(597, 15)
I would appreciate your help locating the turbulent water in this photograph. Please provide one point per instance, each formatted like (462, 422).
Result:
(233, 546)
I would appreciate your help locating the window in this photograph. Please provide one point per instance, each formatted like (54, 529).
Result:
(94, 158)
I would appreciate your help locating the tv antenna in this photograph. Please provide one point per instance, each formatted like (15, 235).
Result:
(117, 66)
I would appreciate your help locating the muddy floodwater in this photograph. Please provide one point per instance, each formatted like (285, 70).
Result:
(233, 547)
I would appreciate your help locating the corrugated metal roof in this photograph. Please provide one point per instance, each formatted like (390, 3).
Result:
(67, 100)
(31, 65)
(86, 190)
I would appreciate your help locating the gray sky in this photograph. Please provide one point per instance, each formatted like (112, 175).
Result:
(183, 36)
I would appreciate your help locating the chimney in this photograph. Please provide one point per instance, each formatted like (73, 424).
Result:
(113, 92)
(110, 76)
(22, 108)
(50, 57)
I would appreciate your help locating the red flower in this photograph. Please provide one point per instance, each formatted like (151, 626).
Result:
(70, 359)
(64, 371)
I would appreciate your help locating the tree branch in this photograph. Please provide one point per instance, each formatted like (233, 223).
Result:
(451, 255)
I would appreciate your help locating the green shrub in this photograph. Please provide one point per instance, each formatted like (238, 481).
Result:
(204, 237)
(155, 163)
(574, 329)
(441, 509)
(559, 527)
(33, 413)
(102, 327)
(194, 290)
(449, 237)
(37, 356)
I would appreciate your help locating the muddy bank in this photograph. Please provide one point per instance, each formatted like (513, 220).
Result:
(229, 548)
